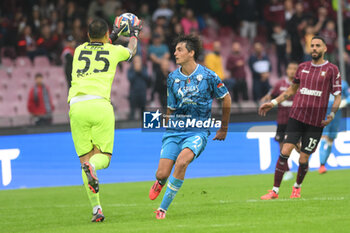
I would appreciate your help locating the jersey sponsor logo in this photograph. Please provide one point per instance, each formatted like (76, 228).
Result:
(306, 91)
(305, 71)
(180, 92)
(283, 88)
(177, 80)
(338, 76)
(190, 88)
(323, 73)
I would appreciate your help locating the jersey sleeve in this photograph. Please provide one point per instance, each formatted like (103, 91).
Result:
(296, 79)
(123, 54)
(171, 98)
(345, 90)
(275, 91)
(336, 82)
(219, 87)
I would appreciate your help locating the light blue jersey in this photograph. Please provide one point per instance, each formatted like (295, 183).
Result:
(190, 97)
(331, 130)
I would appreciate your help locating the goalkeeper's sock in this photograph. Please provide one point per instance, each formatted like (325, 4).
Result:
(93, 197)
(173, 186)
(325, 151)
(99, 161)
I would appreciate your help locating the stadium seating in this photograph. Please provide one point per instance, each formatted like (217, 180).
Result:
(41, 61)
(6, 62)
(23, 62)
(17, 77)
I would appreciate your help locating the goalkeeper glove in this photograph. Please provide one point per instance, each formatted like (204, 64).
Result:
(117, 29)
(136, 28)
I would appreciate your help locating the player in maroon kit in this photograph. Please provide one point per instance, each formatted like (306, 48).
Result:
(312, 84)
(283, 109)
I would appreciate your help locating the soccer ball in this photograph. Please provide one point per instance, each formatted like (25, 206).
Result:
(125, 17)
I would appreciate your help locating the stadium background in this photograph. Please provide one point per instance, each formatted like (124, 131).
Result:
(35, 161)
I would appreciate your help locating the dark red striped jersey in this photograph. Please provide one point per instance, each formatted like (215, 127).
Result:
(316, 83)
(285, 106)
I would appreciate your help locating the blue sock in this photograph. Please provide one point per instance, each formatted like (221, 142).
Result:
(173, 186)
(325, 151)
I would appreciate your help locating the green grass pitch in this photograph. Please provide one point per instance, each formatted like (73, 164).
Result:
(224, 204)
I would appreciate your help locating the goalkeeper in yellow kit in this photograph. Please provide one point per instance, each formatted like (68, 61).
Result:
(91, 113)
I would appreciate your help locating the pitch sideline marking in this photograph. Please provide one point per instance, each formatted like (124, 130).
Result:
(304, 199)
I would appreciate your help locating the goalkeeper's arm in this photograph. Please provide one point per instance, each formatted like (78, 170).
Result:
(134, 33)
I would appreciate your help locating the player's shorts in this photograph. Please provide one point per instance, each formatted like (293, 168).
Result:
(92, 123)
(281, 131)
(331, 130)
(308, 134)
(172, 145)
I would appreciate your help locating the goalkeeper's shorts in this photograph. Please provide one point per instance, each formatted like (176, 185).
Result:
(92, 123)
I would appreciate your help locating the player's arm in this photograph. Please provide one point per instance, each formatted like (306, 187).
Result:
(132, 46)
(171, 99)
(292, 89)
(168, 113)
(335, 107)
(266, 98)
(226, 108)
(135, 30)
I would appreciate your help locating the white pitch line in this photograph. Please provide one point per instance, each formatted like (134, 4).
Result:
(303, 199)
(210, 225)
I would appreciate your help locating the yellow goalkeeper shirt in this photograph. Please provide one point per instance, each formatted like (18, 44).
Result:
(94, 67)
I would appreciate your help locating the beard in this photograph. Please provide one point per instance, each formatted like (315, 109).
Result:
(316, 57)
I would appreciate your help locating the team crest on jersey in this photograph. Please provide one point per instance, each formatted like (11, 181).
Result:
(199, 77)
(323, 73)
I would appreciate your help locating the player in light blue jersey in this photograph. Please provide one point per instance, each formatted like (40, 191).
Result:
(330, 131)
(191, 89)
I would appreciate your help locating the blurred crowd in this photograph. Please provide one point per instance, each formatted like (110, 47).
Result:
(248, 43)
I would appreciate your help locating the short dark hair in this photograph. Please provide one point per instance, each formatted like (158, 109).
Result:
(193, 43)
(98, 28)
(37, 75)
(320, 38)
(293, 62)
